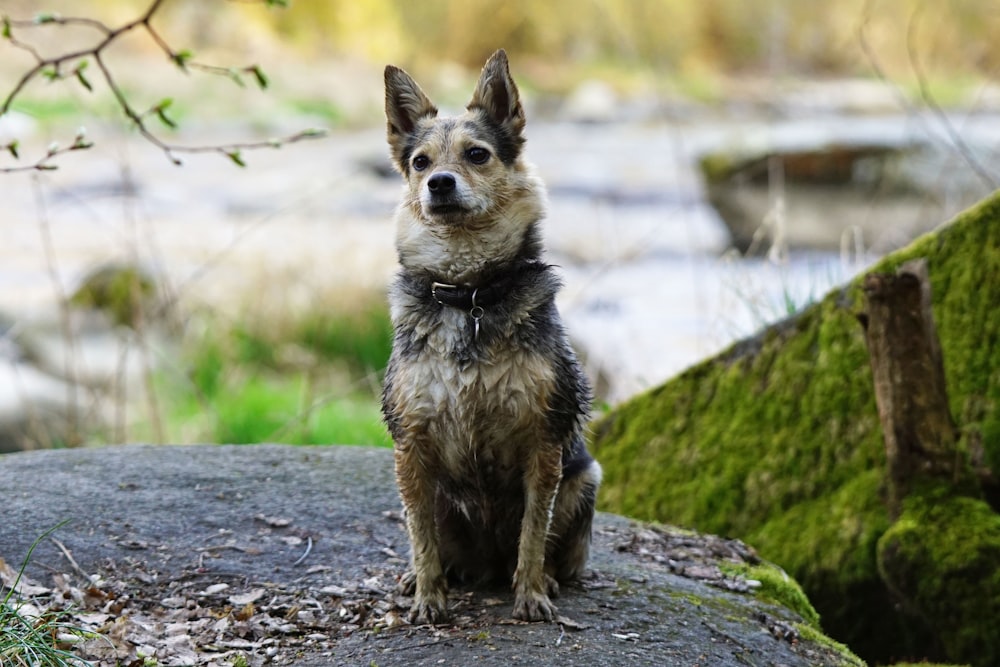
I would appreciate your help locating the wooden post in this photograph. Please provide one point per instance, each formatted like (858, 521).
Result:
(919, 432)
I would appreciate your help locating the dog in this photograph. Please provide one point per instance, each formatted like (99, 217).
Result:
(484, 398)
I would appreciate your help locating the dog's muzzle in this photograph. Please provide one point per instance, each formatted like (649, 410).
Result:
(444, 197)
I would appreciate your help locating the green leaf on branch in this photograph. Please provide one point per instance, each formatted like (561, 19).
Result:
(12, 149)
(258, 74)
(236, 158)
(166, 120)
(161, 112)
(51, 73)
(6, 28)
(81, 77)
(181, 58)
(46, 17)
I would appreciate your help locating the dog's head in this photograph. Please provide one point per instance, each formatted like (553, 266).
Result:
(467, 181)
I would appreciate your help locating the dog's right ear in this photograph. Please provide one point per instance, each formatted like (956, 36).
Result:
(405, 105)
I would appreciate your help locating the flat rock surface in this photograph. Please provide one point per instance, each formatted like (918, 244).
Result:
(290, 555)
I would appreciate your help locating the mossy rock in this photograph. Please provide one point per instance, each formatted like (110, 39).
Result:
(942, 558)
(777, 440)
(122, 291)
(774, 585)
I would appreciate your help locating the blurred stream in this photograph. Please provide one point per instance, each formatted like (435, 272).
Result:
(650, 286)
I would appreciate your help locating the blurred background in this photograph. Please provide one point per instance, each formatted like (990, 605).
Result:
(712, 167)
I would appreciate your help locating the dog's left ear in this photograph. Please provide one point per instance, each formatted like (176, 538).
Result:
(496, 94)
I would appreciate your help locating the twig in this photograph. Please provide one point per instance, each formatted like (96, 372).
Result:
(73, 432)
(59, 67)
(988, 178)
(880, 73)
(44, 163)
(309, 546)
(69, 557)
(141, 321)
(925, 93)
(410, 647)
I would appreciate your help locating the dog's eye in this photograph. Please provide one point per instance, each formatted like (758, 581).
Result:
(421, 162)
(477, 155)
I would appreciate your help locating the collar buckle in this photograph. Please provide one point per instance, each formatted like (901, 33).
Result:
(434, 289)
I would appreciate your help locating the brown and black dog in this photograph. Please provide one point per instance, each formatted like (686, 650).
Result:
(483, 396)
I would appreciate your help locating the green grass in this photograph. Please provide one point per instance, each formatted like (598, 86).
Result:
(310, 378)
(27, 640)
(279, 408)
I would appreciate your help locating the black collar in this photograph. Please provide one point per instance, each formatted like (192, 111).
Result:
(467, 297)
(491, 291)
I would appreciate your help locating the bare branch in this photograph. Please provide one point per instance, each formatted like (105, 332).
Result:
(989, 179)
(58, 67)
(44, 163)
(928, 99)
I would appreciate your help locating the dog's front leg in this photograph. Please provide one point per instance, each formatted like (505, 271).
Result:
(541, 483)
(417, 489)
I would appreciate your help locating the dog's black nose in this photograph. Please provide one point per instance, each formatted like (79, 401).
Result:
(441, 184)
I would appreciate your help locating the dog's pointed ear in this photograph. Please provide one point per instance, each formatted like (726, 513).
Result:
(405, 105)
(497, 95)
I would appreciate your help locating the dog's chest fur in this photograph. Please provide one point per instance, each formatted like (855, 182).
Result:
(481, 400)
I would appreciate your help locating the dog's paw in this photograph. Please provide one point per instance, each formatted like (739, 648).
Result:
(428, 610)
(407, 583)
(534, 606)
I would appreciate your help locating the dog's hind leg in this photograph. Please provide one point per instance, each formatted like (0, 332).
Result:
(572, 517)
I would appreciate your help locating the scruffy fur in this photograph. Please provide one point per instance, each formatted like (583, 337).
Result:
(483, 395)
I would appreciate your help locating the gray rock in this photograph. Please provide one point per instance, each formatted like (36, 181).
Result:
(321, 525)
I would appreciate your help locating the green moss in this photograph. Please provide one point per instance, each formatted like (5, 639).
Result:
(813, 635)
(777, 440)
(716, 167)
(690, 598)
(941, 558)
(777, 587)
(124, 292)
